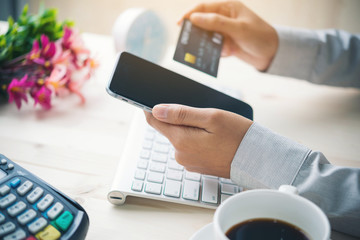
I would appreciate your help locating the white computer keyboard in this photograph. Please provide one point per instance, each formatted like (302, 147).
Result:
(152, 172)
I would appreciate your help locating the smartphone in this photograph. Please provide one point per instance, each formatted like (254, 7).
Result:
(145, 84)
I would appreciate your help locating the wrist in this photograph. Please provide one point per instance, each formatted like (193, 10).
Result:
(272, 42)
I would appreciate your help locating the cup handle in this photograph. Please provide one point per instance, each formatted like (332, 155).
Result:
(289, 189)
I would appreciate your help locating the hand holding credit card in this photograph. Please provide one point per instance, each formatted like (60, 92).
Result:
(199, 48)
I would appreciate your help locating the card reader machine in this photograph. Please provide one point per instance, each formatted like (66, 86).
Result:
(31, 209)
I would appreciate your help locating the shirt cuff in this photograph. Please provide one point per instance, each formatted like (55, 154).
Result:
(265, 159)
(296, 54)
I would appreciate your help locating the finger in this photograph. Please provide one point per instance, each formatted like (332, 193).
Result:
(203, 7)
(175, 133)
(214, 22)
(227, 47)
(230, 48)
(182, 115)
(165, 129)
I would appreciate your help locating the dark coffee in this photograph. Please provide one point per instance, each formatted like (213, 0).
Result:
(264, 228)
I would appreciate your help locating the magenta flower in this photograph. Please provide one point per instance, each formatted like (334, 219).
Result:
(17, 90)
(43, 97)
(66, 40)
(44, 54)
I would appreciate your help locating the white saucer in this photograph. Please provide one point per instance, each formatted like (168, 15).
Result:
(204, 233)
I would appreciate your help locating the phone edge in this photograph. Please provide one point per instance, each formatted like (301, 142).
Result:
(117, 96)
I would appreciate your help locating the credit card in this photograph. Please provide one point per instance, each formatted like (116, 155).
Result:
(199, 48)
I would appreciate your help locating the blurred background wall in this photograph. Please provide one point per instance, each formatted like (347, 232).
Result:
(98, 16)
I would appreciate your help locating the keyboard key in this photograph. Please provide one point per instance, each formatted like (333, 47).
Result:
(7, 228)
(210, 188)
(45, 202)
(16, 209)
(140, 174)
(153, 188)
(226, 180)
(147, 144)
(143, 164)
(172, 164)
(159, 157)
(172, 188)
(150, 135)
(2, 218)
(224, 197)
(157, 167)
(7, 200)
(155, 177)
(172, 154)
(55, 210)
(137, 185)
(35, 195)
(150, 129)
(49, 233)
(15, 182)
(161, 139)
(64, 221)
(18, 235)
(174, 174)
(192, 176)
(191, 190)
(37, 225)
(161, 148)
(26, 217)
(31, 238)
(145, 154)
(24, 188)
(211, 176)
(5, 189)
(229, 188)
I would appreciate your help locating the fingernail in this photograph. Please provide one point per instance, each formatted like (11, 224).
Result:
(160, 111)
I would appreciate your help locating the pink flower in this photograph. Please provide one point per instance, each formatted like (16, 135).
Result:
(44, 54)
(17, 90)
(72, 40)
(61, 56)
(75, 88)
(43, 97)
(60, 67)
(58, 79)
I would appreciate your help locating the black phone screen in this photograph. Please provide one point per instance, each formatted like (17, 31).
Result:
(149, 84)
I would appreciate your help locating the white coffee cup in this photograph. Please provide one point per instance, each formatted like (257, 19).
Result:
(283, 204)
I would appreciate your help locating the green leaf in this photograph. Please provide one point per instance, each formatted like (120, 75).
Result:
(19, 38)
(10, 21)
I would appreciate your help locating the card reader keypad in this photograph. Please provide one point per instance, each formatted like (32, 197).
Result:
(29, 211)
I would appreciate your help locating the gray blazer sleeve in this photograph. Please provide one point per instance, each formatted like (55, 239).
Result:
(330, 57)
(265, 159)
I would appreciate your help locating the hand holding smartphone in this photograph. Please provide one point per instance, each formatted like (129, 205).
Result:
(145, 84)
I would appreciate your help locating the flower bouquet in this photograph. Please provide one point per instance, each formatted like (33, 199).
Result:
(42, 58)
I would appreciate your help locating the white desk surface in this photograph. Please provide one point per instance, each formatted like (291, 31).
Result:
(76, 147)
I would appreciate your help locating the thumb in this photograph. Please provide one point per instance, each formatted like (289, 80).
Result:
(180, 115)
(213, 22)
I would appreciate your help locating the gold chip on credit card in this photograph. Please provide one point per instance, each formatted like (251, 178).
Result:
(190, 58)
(199, 48)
